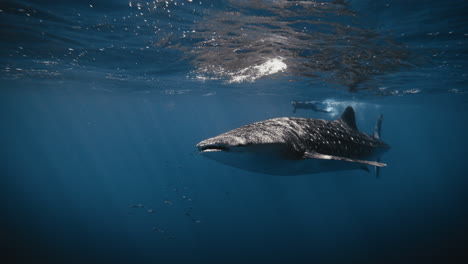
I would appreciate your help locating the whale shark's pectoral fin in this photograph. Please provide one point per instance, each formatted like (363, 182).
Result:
(315, 155)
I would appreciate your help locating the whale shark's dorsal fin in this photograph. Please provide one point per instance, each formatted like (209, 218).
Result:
(348, 118)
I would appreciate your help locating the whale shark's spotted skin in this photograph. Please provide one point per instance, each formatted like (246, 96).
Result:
(294, 138)
(301, 134)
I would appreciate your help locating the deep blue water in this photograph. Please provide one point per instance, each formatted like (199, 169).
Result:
(102, 104)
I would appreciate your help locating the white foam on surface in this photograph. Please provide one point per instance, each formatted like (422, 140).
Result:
(255, 72)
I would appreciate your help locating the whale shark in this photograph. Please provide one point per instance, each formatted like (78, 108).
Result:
(298, 146)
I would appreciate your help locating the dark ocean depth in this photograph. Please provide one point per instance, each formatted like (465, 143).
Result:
(102, 103)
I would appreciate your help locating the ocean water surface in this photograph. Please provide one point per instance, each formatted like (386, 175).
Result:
(102, 103)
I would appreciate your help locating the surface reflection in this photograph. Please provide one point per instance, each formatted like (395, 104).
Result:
(308, 39)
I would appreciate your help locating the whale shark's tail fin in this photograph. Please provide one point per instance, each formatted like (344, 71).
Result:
(377, 170)
(377, 130)
(378, 127)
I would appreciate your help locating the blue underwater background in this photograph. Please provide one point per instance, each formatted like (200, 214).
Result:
(102, 103)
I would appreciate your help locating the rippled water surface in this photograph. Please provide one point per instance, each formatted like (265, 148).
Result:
(102, 103)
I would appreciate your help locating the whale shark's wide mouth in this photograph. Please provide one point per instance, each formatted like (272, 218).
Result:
(212, 148)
